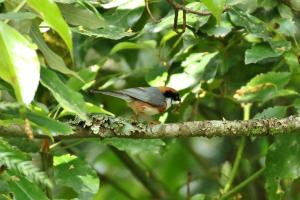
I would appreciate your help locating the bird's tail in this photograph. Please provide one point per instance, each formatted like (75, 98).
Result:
(112, 93)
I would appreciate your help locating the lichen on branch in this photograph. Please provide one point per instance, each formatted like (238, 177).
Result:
(103, 126)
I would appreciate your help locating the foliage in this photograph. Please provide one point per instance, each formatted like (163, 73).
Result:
(228, 59)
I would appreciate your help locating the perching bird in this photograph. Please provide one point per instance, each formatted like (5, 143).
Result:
(146, 101)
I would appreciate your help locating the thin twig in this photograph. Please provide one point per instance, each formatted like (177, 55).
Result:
(238, 157)
(149, 12)
(243, 184)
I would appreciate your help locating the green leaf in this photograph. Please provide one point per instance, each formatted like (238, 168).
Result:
(281, 46)
(80, 16)
(73, 172)
(156, 76)
(216, 7)
(48, 125)
(136, 146)
(126, 14)
(285, 11)
(282, 163)
(18, 162)
(195, 63)
(66, 97)
(53, 60)
(17, 16)
(24, 189)
(52, 16)
(42, 121)
(295, 4)
(91, 108)
(263, 87)
(292, 61)
(252, 24)
(19, 64)
(287, 27)
(296, 105)
(131, 45)
(219, 30)
(271, 112)
(181, 81)
(198, 197)
(258, 53)
(111, 32)
(87, 74)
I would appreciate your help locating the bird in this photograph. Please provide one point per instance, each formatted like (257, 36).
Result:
(146, 101)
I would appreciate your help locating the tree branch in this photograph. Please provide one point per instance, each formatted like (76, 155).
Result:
(107, 126)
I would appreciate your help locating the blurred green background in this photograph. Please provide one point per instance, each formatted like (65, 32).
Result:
(235, 60)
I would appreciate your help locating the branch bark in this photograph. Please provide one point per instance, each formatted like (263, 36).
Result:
(106, 127)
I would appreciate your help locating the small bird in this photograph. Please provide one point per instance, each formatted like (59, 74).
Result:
(146, 101)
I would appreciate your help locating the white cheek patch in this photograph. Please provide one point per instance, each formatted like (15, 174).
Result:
(175, 102)
(169, 103)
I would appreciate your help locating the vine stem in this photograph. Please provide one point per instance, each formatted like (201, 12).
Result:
(246, 116)
(243, 184)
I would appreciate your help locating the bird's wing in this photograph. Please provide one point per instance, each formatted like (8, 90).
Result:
(151, 95)
(113, 93)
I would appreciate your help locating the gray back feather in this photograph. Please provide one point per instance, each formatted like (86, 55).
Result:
(116, 94)
(151, 95)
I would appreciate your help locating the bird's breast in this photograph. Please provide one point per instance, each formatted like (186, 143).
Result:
(140, 107)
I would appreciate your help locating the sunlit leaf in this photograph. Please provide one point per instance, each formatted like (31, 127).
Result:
(91, 108)
(285, 11)
(263, 87)
(131, 45)
(195, 63)
(126, 14)
(216, 7)
(52, 16)
(292, 61)
(19, 63)
(287, 27)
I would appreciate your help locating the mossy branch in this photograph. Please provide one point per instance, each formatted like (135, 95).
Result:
(102, 126)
